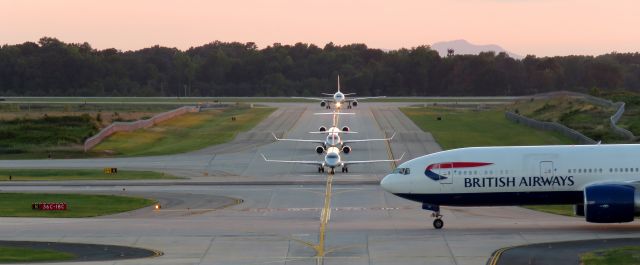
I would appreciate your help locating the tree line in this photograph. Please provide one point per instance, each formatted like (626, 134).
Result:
(53, 68)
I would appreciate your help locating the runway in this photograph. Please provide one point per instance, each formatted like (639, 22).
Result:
(303, 222)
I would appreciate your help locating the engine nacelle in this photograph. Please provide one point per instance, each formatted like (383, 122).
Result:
(322, 129)
(354, 103)
(346, 149)
(345, 129)
(319, 149)
(610, 203)
(323, 103)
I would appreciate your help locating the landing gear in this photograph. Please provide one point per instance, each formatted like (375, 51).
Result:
(437, 223)
(320, 169)
(345, 170)
(332, 171)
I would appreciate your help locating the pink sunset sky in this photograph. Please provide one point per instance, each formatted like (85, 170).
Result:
(540, 27)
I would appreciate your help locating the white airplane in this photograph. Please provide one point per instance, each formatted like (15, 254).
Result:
(338, 99)
(332, 160)
(333, 139)
(602, 181)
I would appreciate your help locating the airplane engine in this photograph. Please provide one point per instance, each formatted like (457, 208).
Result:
(346, 149)
(319, 149)
(323, 103)
(345, 129)
(322, 129)
(354, 103)
(611, 203)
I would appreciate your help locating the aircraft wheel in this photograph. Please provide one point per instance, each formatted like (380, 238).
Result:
(320, 170)
(332, 171)
(342, 170)
(346, 169)
(438, 223)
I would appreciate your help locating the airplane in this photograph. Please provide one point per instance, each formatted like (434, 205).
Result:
(601, 181)
(333, 139)
(332, 160)
(339, 98)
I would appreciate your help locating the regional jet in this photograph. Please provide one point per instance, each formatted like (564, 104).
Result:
(333, 139)
(332, 160)
(338, 98)
(601, 181)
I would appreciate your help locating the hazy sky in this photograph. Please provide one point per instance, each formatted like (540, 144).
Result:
(541, 27)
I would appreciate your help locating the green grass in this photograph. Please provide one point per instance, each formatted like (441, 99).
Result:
(566, 210)
(30, 135)
(616, 256)
(464, 128)
(590, 119)
(79, 205)
(19, 254)
(188, 132)
(77, 174)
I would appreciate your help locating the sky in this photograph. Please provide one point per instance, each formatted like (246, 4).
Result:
(538, 27)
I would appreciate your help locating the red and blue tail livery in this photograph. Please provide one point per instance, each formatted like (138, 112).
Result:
(450, 165)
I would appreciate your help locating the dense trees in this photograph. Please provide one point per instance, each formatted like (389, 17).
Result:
(53, 68)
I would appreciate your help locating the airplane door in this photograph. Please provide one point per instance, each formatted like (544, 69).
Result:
(546, 169)
(444, 170)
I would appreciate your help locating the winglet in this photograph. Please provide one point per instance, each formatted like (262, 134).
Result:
(402, 156)
(263, 157)
(274, 136)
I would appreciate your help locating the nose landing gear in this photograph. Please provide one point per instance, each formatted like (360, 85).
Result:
(437, 223)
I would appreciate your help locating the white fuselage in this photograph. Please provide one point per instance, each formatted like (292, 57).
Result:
(512, 175)
(338, 97)
(332, 158)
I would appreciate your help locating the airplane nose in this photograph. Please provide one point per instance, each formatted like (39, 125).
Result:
(387, 183)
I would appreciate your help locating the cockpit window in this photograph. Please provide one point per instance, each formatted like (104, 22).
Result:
(402, 171)
(332, 156)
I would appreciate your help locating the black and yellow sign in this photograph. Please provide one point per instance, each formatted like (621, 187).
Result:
(111, 170)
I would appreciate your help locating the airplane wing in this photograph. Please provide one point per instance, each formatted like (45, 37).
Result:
(318, 99)
(369, 140)
(326, 132)
(315, 163)
(297, 140)
(335, 113)
(353, 99)
(346, 163)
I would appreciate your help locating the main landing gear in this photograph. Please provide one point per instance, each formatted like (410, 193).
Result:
(345, 170)
(437, 223)
(320, 169)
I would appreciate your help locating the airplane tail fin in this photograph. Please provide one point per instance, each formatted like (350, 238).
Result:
(338, 83)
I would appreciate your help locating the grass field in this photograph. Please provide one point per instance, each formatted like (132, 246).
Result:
(79, 205)
(463, 128)
(189, 132)
(590, 119)
(19, 254)
(616, 256)
(77, 174)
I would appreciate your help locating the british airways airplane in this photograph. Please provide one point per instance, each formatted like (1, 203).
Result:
(602, 181)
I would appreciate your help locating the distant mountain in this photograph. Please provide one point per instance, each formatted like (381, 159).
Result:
(464, 47)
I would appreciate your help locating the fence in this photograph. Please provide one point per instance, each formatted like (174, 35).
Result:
(131, 126)
(613, 120)
(550, 126)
